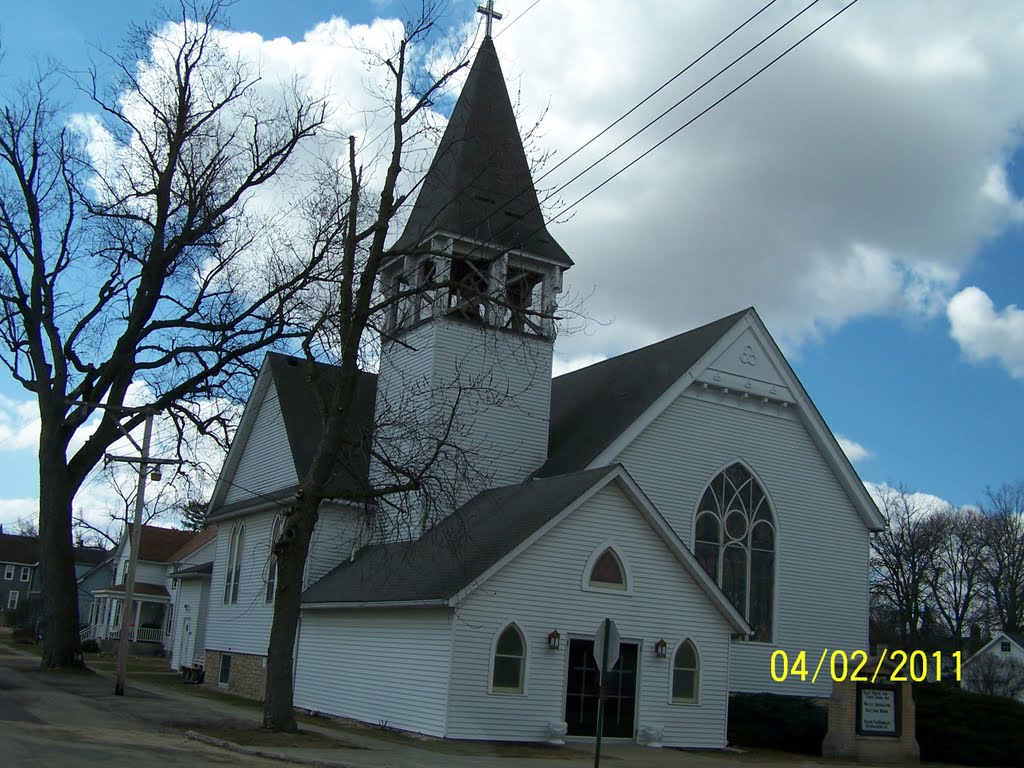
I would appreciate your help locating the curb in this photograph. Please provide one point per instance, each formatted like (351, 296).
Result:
(251, 752)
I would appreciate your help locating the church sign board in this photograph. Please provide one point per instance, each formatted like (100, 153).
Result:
(878, 710)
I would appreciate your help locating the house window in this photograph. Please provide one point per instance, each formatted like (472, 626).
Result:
(26, 573)
(225, 669)
(684, 674)
(509, 661)
(275, 534)
(124, 571)
(12, 599)
(170, 619)
(117, 614)
(1004, 646)
(236, 545)
(9, 572)
(735, 543)
(608, 572)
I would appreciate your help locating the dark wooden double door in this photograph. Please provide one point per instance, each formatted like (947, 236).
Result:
(583, 689)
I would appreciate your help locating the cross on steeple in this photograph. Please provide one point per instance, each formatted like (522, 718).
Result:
(490, 13)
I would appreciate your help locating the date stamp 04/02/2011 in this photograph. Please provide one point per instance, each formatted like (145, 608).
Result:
(858, 667)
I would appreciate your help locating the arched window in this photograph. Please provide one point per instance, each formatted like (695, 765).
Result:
(685, 673)
(275, 534)
(608, 572)
(509, 661)
(236, 545)
(735, 543)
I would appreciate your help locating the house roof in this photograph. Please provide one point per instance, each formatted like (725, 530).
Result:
(479, 184)
(594, 405)
(194, 571)
(207, 534)
(91, 555)
(1015, 637)
(158, 544)
(301, 385)
(457, 550)
(19, 549)
(468, 546)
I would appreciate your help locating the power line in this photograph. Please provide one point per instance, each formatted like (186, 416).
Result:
(710, 107)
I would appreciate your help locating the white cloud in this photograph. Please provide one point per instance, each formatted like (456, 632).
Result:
(983, 332)
(13, 511)
(562, 364)
(19, 424)
(918, 503)
(853, 178)
(854, 451)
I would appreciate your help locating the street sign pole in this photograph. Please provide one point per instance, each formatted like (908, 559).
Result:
(607, 626)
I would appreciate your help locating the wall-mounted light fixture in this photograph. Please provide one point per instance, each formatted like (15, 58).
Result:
(554, 640)
(661, 649)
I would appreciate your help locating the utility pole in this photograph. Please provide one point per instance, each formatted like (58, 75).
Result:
(133, 559)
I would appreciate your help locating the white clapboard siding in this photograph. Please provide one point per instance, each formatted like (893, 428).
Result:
(542, 590)
(244, 627)
(507, 409)
(821, 594)
(332, 539)
(266, 463)
(504, 401)
(378, 666)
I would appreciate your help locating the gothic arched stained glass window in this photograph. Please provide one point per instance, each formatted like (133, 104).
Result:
(735, 543)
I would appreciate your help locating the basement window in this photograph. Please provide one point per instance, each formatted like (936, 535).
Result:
(225, 669)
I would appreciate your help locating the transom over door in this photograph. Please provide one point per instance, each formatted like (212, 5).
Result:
(582, 691)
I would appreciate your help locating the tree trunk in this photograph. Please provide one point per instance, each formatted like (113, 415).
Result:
(59, 620)
(290, 551)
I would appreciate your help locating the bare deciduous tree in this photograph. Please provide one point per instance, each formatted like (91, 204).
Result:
(994, 676)
(1004, 553)
(125, 255)
(903, 560)
(957, 575)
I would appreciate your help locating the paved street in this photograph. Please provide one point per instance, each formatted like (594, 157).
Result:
(73, 719)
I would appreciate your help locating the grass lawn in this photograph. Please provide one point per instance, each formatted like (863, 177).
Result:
(255, 736)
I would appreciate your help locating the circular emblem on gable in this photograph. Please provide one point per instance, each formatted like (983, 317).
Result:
(747, 356)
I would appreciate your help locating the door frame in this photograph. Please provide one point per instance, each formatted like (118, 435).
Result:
(625, 640)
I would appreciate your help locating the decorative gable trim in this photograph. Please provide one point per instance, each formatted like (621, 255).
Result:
(809, 415)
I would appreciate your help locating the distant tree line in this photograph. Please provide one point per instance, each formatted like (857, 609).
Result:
(946, 577)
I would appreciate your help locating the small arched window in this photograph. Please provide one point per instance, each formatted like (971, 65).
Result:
(685, 673)
(236, 545)
(275, 534)
(509, 661)
(608, 572)
(734, 540)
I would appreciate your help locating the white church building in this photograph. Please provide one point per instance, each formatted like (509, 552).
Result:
(690, 491)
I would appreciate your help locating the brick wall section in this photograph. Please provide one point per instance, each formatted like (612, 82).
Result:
(248, 677)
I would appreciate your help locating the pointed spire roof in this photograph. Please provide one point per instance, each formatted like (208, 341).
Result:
(479, 184)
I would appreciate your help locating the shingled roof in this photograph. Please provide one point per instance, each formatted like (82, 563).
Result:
(594, 405)
(158, 544)
(479, 184)
(23, 550)
(301, 385)
(458, 550)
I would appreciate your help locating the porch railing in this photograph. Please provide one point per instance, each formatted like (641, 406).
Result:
(136, 634)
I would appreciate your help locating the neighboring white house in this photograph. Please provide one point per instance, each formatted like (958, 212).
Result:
(161, 550)
(689, 490)
(997, 667)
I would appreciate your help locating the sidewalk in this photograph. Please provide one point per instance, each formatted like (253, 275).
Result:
(80, 702)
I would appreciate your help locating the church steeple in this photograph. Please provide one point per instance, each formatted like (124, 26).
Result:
(477, 226)
(467, 349)
(479, 185)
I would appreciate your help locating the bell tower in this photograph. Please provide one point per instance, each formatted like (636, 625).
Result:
(475, 277)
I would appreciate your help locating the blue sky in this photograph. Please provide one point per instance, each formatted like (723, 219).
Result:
(864, 195)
